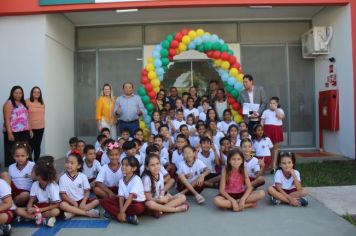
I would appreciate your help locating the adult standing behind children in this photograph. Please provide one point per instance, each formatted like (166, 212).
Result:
(16, 125)
(36, 114)
(256, 95)
(173, 96)
(105, 116)
(128, 108)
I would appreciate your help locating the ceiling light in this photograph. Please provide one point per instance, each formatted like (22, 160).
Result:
(126, 10)
(260, 7)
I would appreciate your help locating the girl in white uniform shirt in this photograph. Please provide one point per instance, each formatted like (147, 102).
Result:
(175, 124)
(91, 166)
(191, 109)
(107, 181)
(156, 117)
(224, 125)
(130, 201)
(75, 189)
(158, 201)
(20, 174)
(262, 146)
(44, 194)
(232, 133)
(7, 206)
(271, 120)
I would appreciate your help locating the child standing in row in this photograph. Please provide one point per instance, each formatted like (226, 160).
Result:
(262, 146)
(235, 186)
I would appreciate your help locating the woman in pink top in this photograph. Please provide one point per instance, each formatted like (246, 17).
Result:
(236, 191)
(16, 125)
(36, 109)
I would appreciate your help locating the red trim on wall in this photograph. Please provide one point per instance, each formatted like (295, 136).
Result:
(27, 7)
(353, 37)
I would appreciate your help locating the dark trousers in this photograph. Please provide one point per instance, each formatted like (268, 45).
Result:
(19, 136)
(250, 126)
(35, 143)
(131, 126)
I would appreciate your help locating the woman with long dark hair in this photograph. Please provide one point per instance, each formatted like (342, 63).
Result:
(36, 109)
(16, 123)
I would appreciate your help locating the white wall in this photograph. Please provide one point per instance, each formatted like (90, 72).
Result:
(58, 84)
(21, 57)
(339, 18)
(38, 50)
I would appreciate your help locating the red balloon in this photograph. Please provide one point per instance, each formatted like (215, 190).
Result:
(144, 80)
(230, 100)
(210, 53)
(154, 101)
(216, 55)
(149, 87)
(236, 65)
(152, 94)
(178, 36)
(240, 111)
(174, 44)
(184, 31)
(172, 52)
(232, 59)
(170, 57)
(224, 56)
(235, 106)
(144, 72)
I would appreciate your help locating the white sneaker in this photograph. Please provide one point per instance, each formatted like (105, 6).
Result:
(68, 215)
(50, 222)
(94, 213)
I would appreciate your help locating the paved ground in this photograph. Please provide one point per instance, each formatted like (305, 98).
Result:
(316, 219)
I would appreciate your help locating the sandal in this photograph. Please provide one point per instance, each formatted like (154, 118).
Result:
(186, 206)
(199, 198)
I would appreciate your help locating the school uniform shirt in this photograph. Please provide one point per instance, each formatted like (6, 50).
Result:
(109, 177)
(143, 149)
(105, 159)
(270, 117)
(91, 172)
(133, 186)
(208, 160)
(223, 126)
(191, 128)
(5, 192)
(159, 185)
(216, 138)
(22, 177)
(286, 183)
(177, 157)
(196, 169)
(176, 124)
(202, 116)
(187, 112)
(262, 147)
(49, 194)
(252, 167)
(153, 128)
(75, 186)
(166, 143)
(97, 145)
(194, 141)
(164, 156)
(225, 158)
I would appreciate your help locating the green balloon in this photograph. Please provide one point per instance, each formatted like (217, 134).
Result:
(230, 52)
(217, 46)
(164, 52)
(229, 89)
(226, 84)
(170, 37)
(165, 44)
(150, 107)
(224, 48)
(145, 99)
(201, 48)
(141, 91)
(208, 46)
(234, 93)
(238, 98)
(165, 61)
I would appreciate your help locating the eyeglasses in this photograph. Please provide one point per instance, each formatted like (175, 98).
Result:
(290, 154)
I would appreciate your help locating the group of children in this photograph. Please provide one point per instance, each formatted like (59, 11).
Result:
(133, 176)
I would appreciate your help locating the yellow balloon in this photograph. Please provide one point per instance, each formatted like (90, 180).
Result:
(155, 82)
(156, 89)
(192, 34)
(152, 75)
(225, 65)
(142, 123)
(233, 72)
(150, 67)
(240, 77)
(178, 51)
(182, 47)
(217, 62)
(150, 60)
(238, 118)
(186, 39)
(200, 32)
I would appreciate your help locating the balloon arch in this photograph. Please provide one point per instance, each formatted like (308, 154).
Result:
(215, 48)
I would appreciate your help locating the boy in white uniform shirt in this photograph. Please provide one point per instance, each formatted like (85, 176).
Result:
(91, 167)
(176, 123)
(6, 203)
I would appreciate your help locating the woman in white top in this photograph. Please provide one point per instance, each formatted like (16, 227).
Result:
(221, 103)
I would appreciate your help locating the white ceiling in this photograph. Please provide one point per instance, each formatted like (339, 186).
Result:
(205, 14)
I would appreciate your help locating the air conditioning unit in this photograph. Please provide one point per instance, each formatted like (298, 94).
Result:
(315, 42)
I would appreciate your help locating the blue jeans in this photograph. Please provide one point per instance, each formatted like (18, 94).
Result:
(131, 126)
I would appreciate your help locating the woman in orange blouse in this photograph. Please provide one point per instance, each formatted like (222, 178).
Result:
(105, 116)
(36, 110)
